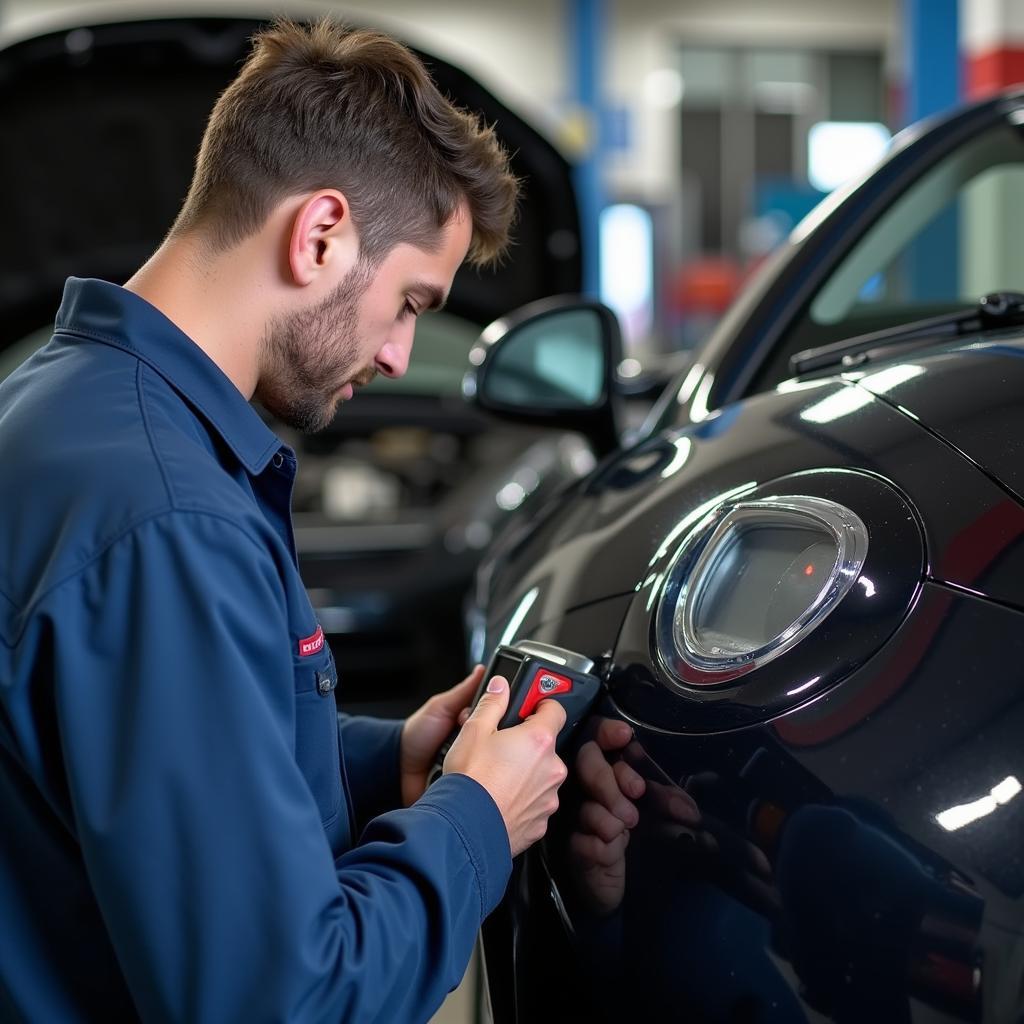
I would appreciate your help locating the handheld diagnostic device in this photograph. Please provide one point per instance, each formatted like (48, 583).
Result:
(537, 672)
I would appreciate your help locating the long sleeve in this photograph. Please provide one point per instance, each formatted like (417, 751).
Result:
(173, 685)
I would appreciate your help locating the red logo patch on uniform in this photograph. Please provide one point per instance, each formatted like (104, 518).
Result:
(312, 644)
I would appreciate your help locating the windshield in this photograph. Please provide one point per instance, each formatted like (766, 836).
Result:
(952, 236)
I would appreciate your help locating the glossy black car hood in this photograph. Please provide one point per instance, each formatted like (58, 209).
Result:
(608, 539)
(101, 124)
(834, 784)
(969, 394)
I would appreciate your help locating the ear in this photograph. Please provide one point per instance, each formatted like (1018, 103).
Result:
(322, 238)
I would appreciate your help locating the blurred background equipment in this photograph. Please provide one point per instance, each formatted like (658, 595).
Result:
(711, 122)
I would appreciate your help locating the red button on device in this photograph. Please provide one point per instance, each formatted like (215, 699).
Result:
(545, 684)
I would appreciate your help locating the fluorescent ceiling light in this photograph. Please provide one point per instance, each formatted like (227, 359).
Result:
(664, 88)
(626, 240)
(839, 151)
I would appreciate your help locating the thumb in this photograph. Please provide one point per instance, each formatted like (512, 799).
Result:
(492, 703)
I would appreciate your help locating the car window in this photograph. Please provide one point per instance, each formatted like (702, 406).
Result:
(952, 236)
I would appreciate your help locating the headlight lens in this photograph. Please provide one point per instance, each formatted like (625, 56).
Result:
(752, 581)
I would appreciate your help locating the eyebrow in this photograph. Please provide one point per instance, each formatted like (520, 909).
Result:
(435, 297)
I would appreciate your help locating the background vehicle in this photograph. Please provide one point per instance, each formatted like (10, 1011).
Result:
(396, 501)
(805, 593)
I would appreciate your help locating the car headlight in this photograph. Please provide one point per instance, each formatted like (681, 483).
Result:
(753, 579)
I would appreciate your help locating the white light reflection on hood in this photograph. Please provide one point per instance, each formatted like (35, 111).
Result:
(964, 814)
(854, 397)
(683, 446)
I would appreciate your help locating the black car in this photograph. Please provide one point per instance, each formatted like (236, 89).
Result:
(803, 589)
(395, 503)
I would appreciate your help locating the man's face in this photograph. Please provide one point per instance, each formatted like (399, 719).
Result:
(313, 359)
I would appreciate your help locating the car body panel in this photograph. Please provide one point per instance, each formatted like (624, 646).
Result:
(945, 399)
(819, 885)
(820, 880)
(605, 539)
(856, 855)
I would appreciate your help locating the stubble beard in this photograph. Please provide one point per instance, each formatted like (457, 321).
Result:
(308, 356)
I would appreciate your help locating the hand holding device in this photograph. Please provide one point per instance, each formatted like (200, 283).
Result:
(540, 691)
(518, 767)
(536, 672)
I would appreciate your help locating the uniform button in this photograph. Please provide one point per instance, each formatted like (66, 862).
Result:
(278, 460)
(324, 685)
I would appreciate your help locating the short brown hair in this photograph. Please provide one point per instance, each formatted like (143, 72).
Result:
(321, 106)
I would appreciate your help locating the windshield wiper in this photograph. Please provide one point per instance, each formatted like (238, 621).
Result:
(997, 309)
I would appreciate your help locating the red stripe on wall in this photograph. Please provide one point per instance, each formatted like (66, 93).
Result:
(989, 72)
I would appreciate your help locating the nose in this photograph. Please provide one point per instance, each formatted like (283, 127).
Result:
(393, 356)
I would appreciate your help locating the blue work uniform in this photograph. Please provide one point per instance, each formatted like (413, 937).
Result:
(188, 830)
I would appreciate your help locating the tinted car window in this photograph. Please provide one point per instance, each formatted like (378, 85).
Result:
(955, 234)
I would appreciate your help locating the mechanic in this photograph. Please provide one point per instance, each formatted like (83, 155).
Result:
(190, 830)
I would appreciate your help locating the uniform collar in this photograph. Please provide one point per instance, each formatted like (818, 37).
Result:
(109, 313)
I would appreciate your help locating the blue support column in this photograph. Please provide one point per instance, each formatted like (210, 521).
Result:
(932, 40)
(586, 32)
(931, 33)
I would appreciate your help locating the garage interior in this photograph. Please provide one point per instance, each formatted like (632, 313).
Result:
(669, 151)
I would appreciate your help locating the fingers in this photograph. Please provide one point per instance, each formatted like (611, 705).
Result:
(468, 685)
(598, 778)
(634, 754)
(492, 704)
(599, 821)
(702, 785)
(590, 849)
(630, 781)
(673, 803)
(612, 734)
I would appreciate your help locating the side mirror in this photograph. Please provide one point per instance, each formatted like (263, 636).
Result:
(551, 363)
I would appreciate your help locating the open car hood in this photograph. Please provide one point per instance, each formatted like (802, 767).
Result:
(102, 122)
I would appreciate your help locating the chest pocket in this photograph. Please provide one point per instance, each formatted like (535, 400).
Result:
(316, 729)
